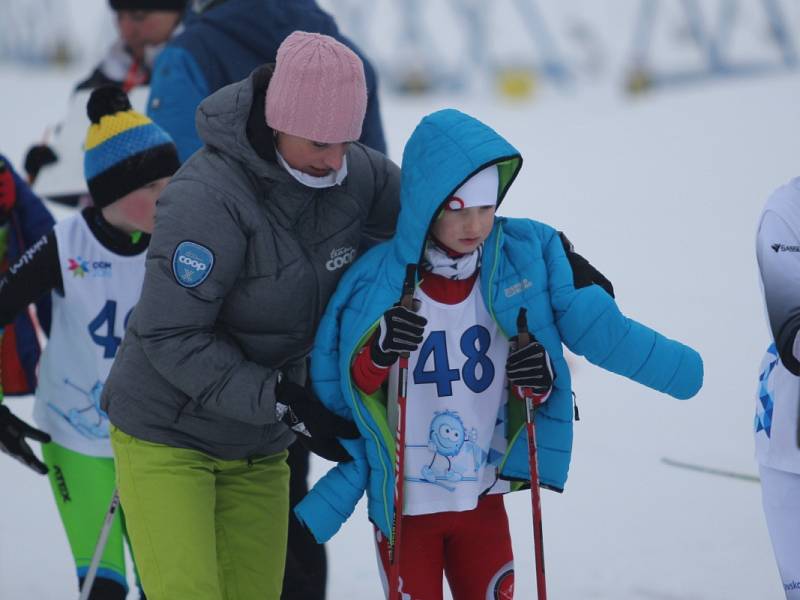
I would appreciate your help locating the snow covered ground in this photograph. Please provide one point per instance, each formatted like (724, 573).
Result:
(661, 193)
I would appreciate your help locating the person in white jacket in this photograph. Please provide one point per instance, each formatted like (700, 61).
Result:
(778, 395)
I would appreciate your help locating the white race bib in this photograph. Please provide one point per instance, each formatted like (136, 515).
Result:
(455, 407)
(89, 321)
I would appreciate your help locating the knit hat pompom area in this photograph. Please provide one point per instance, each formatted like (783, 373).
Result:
(106, 100)
(318, 90)
(125, 150)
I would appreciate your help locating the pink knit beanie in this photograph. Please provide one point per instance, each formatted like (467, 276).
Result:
(318, 91)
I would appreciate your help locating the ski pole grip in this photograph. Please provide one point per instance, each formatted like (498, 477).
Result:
(407, 299)
(523, 336)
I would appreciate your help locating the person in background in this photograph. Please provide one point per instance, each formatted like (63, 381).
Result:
(144, 27)
(91, 266)
(23, 220)
(777, 420)
(221, 43)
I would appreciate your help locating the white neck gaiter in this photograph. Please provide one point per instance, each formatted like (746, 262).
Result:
(331, 179)
(438, 262)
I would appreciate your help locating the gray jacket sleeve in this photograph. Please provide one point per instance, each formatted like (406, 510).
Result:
(778, 252)
(382, 219)
(178, 325)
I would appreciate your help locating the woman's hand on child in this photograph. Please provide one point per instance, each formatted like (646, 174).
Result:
(529, 367)
(400, 330)
(315, 425)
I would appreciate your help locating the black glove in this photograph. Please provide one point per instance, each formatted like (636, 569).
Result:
(527, 367)
(13, 432)
(400, 330)
(316, 427)
(37, 157)
(583, 273)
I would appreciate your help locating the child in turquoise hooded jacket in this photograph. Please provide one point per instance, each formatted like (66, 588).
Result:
(522, 264)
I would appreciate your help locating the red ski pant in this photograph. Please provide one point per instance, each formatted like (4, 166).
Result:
(472, 548)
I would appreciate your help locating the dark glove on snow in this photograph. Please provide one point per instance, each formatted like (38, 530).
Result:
(37, 157)
(583, 273)
(400, 330)
(13, 432)
(527, 367)
(316, 427)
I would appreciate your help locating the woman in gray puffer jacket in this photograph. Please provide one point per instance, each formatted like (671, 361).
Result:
(252, 236)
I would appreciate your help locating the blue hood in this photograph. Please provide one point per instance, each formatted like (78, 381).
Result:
(446, 148)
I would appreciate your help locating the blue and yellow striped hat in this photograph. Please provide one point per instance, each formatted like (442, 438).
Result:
(125, 150)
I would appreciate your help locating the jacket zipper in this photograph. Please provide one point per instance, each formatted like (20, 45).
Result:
(375, 436)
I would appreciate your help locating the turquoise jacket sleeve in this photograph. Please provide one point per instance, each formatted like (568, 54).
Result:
(591, 324)
(176, 89)
(334, 497)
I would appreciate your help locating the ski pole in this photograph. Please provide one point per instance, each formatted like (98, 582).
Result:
(523, 339)
(407, 301)
(88, 581)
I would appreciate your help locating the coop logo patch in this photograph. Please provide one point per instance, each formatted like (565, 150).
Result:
(80, 267)
(340, 257)
(785, 248)
(192, 264)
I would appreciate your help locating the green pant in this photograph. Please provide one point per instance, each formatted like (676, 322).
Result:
(82, 487)
(201, 527)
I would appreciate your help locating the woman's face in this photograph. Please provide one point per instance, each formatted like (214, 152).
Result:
(313, 158)
(136, 211)
(465, 229)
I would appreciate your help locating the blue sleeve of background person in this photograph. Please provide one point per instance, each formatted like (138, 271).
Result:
(177, 87)
(591, 325)
(34, 221)
(372, 131)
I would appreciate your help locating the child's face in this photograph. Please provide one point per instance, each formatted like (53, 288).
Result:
(136, 211)
(466, 229)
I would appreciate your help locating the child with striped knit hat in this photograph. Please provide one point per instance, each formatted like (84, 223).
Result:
(93, 266)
